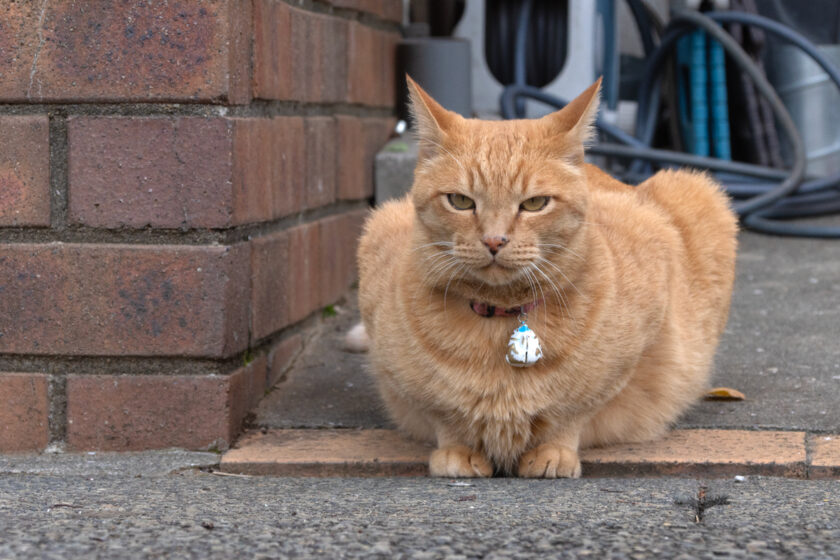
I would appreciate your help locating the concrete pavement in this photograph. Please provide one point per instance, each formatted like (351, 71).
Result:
(193, 514)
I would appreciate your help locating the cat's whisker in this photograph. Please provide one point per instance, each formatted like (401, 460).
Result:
(557, 295)
(559, 292)
(433, 275)
(449, 265)
(440, 258)
(439, 269)
(451, 278)
(542, 295)
(558, 246)
(439, 255)
(557, 268)
(434, 244)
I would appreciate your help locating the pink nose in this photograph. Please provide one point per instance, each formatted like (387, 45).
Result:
(494, 243)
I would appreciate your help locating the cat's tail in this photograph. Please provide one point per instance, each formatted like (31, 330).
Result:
(357, 339)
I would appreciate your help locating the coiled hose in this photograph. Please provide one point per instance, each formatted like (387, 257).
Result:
(763, 196)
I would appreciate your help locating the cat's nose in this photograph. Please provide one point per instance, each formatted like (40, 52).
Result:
(494, 243)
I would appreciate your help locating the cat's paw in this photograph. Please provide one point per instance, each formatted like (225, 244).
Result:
(459, 461)
(549, 461)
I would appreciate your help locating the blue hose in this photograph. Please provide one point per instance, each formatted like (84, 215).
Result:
(765, 203)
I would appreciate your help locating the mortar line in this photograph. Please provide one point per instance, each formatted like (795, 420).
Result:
(366, 18)
(808, 454)
(63, 233)
(256, 108)
(58, 173)
(57, 419)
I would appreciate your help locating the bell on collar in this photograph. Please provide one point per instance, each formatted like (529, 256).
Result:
(524, 347)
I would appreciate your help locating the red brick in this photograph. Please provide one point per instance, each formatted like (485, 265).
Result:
(392, 10)
(247, 387)
(24, 412)
(269, 292)
(239, 55)
(124, 413)
(167, 172)
(335, 267)
(251, 197)
(304, 271)
(339, 238)
(359, 140)
(307, 55)
(268, 168)
(272, 50)
(371, 66)
(352, 173)
(281, 357)
(24, 170)
(251, 170)
(194, 172)
(364, 65)
(321, 160)
(387, 87)
(335, 32)
(147, 300)
(100, 50)
(288, 162)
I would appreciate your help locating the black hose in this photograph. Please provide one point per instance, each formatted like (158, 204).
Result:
(765, 203)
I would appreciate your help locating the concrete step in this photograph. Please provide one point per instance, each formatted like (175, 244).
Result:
(700, 452)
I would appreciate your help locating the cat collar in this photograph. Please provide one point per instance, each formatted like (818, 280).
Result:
(487, 310)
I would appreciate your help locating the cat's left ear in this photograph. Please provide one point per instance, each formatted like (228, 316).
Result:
(575, 121)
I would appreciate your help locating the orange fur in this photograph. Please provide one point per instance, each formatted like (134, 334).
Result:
(634, 287)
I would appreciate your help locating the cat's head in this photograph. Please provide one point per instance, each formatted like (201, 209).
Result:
(500, 200)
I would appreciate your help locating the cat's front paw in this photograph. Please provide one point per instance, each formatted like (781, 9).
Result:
(550, 461)
(459, 461)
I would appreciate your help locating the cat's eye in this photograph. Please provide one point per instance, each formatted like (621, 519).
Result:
(534, 204)
(460, 202)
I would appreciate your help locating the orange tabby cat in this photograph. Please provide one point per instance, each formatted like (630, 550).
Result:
(628, 290)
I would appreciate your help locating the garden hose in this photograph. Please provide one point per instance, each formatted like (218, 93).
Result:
(763, 196)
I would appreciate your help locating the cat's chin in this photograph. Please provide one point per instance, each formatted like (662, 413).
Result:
(498, 275)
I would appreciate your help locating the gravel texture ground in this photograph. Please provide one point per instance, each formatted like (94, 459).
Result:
(198, 515)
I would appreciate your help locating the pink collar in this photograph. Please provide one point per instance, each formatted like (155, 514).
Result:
(487, 310)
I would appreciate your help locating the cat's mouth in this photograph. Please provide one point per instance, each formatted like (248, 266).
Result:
(497, 273)
(496, 264)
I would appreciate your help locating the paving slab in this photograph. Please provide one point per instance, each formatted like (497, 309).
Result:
(372, 452)
(376, 452)
(781, 348)
(327, 387)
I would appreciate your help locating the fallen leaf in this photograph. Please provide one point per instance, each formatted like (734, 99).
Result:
(724, 394)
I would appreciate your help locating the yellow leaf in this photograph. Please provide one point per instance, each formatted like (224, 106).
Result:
(724, 394)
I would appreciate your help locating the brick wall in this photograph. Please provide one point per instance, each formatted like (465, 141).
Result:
(182, 185)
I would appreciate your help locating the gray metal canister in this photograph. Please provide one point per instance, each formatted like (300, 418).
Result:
(441, 66)
(813, 101)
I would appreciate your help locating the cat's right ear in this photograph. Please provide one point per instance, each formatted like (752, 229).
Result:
(431, 121)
